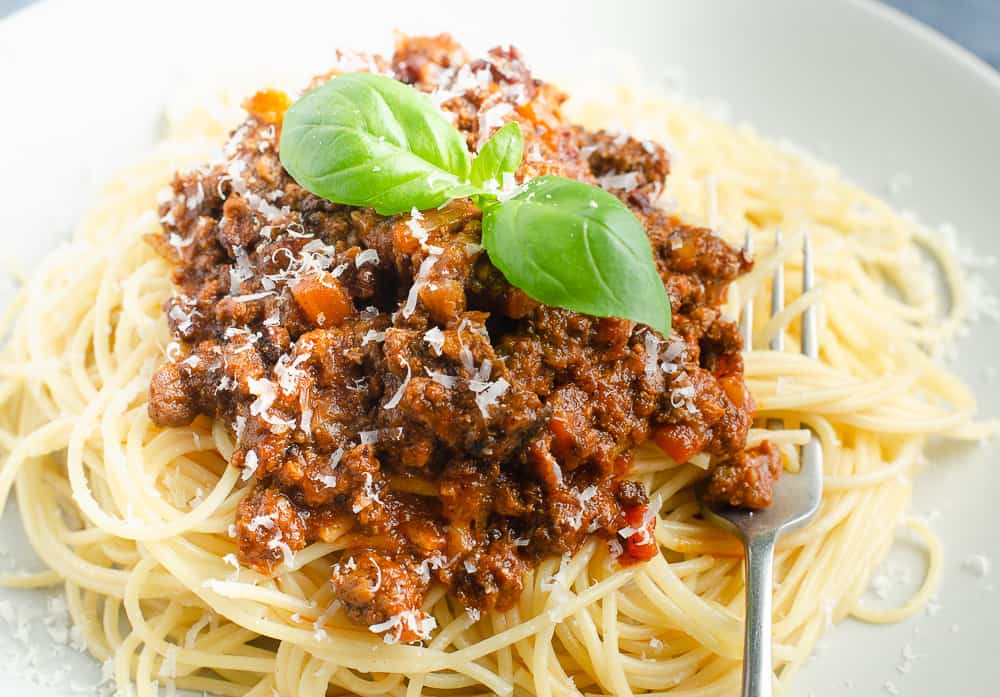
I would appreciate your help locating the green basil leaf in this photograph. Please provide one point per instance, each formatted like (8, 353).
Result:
(464, 191)
(576, 246)
(368, 140)
(500, 154)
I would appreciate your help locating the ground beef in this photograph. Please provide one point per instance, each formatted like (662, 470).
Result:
(747, 478)
(380, 376)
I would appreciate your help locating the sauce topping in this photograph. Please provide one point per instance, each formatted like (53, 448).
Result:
(380, 376)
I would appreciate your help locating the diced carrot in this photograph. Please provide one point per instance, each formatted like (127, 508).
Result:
(430, 221)
(737, 392)
(544, 113)
(322, 299)
(679, 441)
(543, 110)
(268, 105)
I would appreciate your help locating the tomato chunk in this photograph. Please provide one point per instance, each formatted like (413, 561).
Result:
(640, 545)
(322, 299)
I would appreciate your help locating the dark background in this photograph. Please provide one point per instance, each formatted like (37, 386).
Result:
(975, 24)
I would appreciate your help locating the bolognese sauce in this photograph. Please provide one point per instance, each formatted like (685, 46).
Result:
(380, 377)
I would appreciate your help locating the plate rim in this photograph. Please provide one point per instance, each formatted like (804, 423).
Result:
(922, 31)
(919, 37)
(874, 9)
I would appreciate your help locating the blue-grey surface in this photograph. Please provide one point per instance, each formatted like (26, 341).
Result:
(974, 24)
(8, 6)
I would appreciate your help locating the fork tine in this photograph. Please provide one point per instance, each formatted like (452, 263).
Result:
(746, 323)
(811, 455)
(778, 295)
(810, 346)
(777, 303)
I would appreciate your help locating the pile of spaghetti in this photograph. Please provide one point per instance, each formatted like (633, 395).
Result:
(133, 519)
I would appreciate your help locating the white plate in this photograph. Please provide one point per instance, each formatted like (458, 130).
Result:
(83, 86)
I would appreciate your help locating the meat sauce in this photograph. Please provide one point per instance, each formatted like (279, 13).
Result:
(380, 377)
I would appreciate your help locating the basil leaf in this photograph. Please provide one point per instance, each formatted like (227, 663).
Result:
(368, 140)
(501, 153)
(576, 246)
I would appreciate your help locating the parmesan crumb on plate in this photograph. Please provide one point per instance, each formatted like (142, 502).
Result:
(979, 565)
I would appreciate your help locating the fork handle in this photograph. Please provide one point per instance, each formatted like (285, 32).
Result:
(757, 669)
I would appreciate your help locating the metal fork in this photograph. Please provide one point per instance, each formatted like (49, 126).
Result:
(796, 499)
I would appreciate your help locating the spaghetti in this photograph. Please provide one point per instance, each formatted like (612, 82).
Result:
(135, 519)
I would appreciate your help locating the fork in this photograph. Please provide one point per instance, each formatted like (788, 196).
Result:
(796, 498)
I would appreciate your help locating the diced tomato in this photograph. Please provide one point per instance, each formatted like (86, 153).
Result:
(641, 545)
(634, 516)
(679, 441)
(322, 299)
(268, 105)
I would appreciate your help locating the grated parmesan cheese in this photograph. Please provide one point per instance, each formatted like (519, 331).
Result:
(652, 346)
(250, 464)
(198, 198)
(341, 268)
(391, 404)
(175, 240)
(259, 522)
(368, 495)
(288, 557)
(442, 378)
(415, 228)
(438, 561)
(411, 299)
(675, 347)
(241, 271)
(288, 371)
(264, 390)
(643, 530)
(253, 296)
(490, 396)
(435, 338)
(270, 212)
(978, 565)
(365, 257)
(614, 180)
(372, 336)
(415, 621)
(490, 119)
